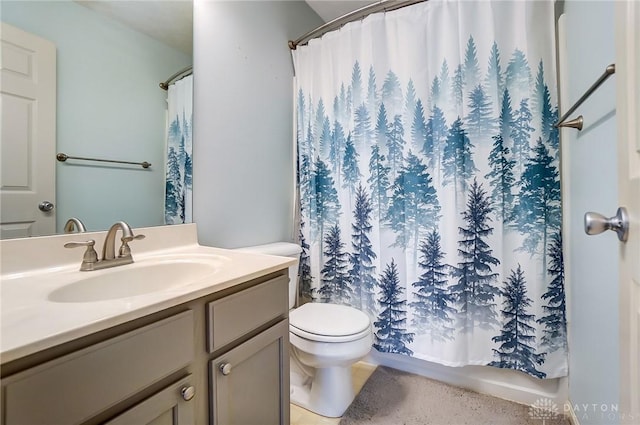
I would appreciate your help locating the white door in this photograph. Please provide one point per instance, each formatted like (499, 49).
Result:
(628, 110)
(28, 135)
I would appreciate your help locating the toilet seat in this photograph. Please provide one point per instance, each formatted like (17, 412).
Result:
(329, 323)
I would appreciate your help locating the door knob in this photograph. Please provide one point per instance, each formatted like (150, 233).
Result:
(595, 223)
(45, 206)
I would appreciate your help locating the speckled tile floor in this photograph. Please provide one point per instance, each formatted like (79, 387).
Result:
(415, 400)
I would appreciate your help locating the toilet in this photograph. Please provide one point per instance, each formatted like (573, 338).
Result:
(325, 341)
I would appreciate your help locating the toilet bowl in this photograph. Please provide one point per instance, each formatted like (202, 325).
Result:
(325, 341)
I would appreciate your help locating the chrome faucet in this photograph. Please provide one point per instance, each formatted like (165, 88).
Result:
(90, 259)
(74, 223)
(109, 247)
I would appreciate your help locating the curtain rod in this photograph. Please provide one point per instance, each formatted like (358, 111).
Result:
(182, 73)
(384, 5)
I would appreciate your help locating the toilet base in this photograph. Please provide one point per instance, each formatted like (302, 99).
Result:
(329, 393)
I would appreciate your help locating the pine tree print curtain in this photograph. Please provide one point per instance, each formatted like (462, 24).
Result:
(429, 182)
(178, 184)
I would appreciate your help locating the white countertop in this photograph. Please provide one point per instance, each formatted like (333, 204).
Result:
(30, 321)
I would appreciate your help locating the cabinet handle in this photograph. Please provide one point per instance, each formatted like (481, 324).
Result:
(225, 368)
(187, 393)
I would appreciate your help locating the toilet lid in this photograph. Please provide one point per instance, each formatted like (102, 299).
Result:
(329, 319)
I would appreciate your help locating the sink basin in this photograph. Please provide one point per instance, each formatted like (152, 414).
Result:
(136, 279)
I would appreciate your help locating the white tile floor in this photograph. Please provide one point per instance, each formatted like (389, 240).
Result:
(360, 372)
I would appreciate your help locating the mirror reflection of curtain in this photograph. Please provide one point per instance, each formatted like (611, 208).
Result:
(178, 188)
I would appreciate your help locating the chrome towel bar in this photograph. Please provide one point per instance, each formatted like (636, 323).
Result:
(62, 157)
(577, 123)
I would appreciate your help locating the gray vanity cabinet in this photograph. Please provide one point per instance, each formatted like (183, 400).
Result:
(249, 377)
(220, 359)
(171, 406)
(82, 385)
(248, 380)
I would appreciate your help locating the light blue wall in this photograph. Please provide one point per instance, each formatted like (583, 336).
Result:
(243, 115)
(109, 105)
(592, 181)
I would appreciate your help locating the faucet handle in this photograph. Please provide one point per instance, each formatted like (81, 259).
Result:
(124, 250)
(130, 238)
(90, 255)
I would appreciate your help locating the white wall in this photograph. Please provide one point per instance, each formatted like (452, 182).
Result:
(109, 105)
(243, 114)
(590, 184)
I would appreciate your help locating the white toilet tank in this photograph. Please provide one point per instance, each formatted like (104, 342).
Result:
(282, 249)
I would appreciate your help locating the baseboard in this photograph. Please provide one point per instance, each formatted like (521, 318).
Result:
(506, 384)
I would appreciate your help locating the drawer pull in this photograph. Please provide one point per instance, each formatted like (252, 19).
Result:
(225, 368)
(187, 393)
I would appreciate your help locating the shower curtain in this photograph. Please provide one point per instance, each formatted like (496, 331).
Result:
(428, 177)
(178, 184)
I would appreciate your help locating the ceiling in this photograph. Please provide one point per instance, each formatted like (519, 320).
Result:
(171, 22)
(331, 9)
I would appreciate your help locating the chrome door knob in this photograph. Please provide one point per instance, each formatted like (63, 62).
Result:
(187, 393)
(45, 206)
(595, 223)
(225, 368)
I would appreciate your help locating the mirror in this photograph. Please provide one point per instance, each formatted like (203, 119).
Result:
(111, 57)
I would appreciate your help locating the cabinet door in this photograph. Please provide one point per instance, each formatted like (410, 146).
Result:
(171, 406)
(74, 388)
(250, 383)
(236, 315)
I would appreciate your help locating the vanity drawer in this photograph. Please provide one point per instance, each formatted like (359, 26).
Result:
(76, 387)
(236, 315)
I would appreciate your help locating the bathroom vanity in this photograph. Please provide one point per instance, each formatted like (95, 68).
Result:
(211, 350)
